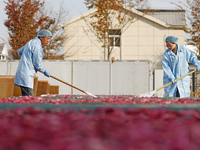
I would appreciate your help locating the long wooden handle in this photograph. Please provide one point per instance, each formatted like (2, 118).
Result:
(68, 84)
(176, 80)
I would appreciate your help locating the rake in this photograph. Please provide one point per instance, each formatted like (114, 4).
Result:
(149, 94)
(87, 93)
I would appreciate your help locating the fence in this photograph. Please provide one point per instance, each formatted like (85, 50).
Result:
(96, 77)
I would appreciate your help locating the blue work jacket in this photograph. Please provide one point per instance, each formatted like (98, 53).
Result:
(174, 67)
(31, 56)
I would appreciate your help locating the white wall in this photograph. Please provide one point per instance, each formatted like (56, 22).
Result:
(96, 77)
(158, 82)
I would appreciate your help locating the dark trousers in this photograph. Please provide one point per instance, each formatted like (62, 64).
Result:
(177, 93)
(26, 91)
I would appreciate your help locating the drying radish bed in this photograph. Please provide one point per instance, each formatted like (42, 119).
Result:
(103, 123)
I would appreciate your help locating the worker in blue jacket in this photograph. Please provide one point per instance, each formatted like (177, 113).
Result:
(31, 56)
(175, 64)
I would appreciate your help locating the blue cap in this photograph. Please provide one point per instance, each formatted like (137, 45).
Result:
(44, 33)
(171, 39)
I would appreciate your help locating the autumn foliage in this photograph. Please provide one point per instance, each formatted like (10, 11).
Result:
(25, 19)
(54, 49)
(194, 23)
(193, 17)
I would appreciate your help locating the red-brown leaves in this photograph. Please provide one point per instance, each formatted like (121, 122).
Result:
(23, 22)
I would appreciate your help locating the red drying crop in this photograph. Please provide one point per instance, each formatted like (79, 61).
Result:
(99, 129)
(111, 128)
(118, 100)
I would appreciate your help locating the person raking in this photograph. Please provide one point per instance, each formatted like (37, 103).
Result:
(31, 55)
(175, 64)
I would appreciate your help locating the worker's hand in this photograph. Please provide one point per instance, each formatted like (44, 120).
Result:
(172, 79)
(46, 73)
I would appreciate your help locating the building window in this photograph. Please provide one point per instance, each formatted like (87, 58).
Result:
(115, 37)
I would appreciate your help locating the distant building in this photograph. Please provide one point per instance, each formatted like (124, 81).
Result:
(142, 40)
(3, 52)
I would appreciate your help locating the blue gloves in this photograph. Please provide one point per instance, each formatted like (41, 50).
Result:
(46, 73)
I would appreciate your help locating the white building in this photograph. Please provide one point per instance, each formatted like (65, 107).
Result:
(142, 40)
(3, 51)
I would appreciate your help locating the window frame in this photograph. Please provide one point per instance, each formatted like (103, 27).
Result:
(113, 35)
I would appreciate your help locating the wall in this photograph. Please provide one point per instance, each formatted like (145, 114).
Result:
(96, 77)
(158, 82)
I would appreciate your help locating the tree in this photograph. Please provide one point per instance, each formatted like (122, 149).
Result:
(25, 19)
(23, 22)
(56, 43)
(193, 10)
(109, 15)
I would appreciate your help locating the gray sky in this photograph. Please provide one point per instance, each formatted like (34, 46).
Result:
(76, 8)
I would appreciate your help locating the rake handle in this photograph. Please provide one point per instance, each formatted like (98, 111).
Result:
(68, 84)
(176, 80)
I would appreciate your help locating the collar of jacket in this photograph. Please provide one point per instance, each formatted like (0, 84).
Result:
(179, 49)
(38, 40)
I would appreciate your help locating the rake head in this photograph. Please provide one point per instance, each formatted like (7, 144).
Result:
(148, 94)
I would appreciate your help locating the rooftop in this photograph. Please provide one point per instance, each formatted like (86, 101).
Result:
(171, 17)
